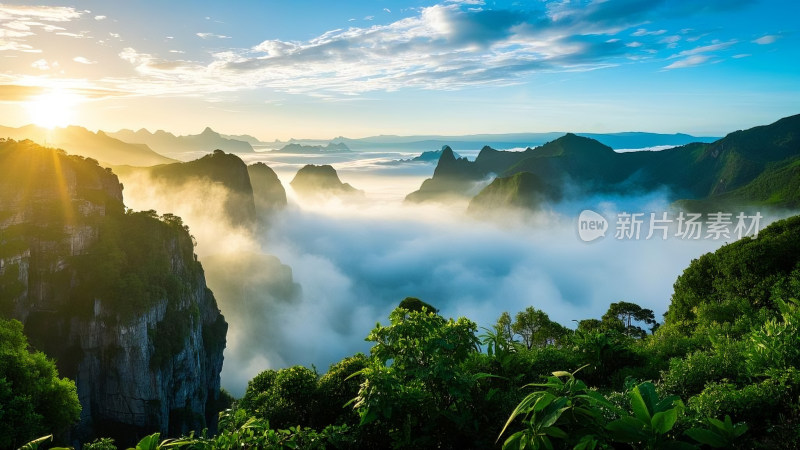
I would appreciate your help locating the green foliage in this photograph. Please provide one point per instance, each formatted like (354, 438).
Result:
(414, 386)
(603, 353)
(740, 278)
(756, 403)
(100, 444)
(623, 315)
(130, 267)
(688, 376)
(536, 329)
(415, 304)
(564, 410)
(719, 434)
(239, 431)
(284, 397)
(776, 344)
(652, 421)
(33, 399)
(337, 387)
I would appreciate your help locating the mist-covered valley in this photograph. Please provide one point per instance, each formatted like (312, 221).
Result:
(306, 285)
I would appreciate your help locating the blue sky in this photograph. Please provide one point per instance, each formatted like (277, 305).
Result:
(323, 69)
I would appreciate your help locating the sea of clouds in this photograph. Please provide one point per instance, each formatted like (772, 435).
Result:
(307, 287)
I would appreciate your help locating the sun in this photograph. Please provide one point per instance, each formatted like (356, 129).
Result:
(52, 109)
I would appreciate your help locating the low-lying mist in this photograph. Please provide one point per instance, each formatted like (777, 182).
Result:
(342, 264)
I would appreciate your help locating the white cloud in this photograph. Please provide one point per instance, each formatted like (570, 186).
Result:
(708, 48)
(41, 64)
(212, 36)
(82, 60)
(765, 40)
(46, 13)
(691, 61)
(20, 22)
(644, 32)
(100, 17)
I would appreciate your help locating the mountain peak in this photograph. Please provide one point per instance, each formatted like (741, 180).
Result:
(447, 154)
(208, 132)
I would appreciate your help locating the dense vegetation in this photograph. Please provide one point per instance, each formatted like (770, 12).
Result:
(721, 372)
(33, 399)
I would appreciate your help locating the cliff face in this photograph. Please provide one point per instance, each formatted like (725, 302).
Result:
(117, 299)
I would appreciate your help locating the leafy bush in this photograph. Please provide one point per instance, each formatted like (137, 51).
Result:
(688, 376)
(33, 399)
(285, 397)
(414, 386)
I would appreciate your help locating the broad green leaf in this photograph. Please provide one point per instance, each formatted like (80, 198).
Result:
(716, 423)
(149, 442)
(513, 440)
(664, 421)
(627, 429)
(639, 406)
(667, 403)
(648, 392)
(543, 401)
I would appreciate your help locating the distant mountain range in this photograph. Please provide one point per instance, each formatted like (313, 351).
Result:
(80, 141)
(169, 144)
(758, 166)
(626, 140)
(314, 149)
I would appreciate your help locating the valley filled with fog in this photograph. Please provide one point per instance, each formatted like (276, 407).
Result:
(308, 284)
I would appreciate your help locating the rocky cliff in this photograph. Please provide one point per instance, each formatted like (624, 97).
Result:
(117, 298)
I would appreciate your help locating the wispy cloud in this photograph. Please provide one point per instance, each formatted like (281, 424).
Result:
(83, 60)
(765, 40)
(46, 13)
(698, 55)
(691, 61)
(212, 36)
(18, 22)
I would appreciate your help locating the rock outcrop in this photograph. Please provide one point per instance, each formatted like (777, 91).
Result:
(316, 181)
(117, 298)
(452, 177)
